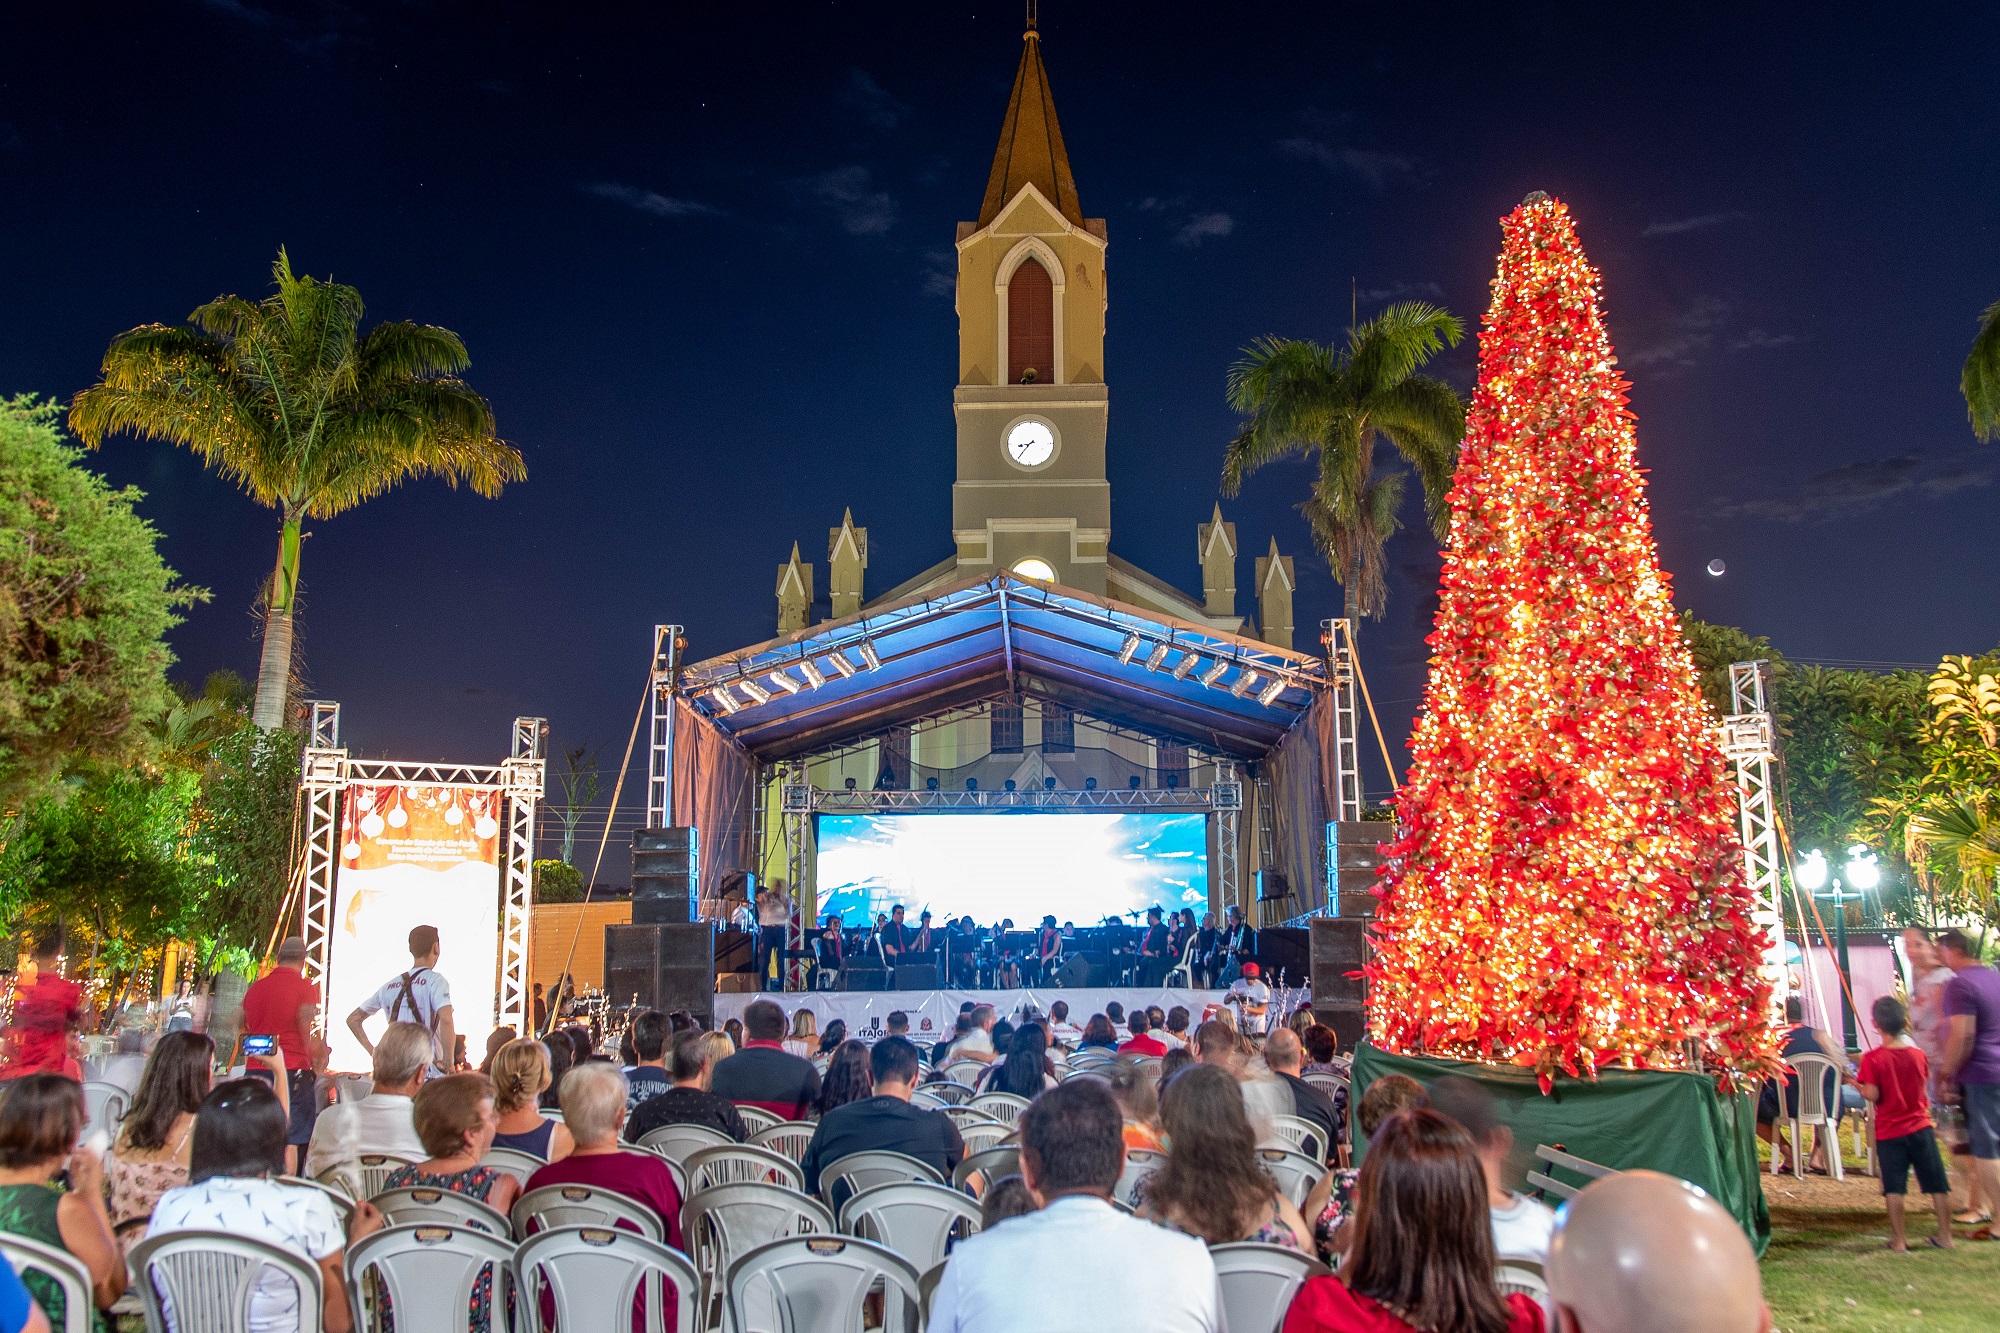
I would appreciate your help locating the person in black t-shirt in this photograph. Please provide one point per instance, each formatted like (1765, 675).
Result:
(647, 1078)
(688, 1101)
(885, 1122)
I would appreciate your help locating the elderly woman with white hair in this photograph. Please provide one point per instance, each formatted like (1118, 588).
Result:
(593, 1107)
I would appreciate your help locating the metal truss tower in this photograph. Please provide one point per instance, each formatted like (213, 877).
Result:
(1748, 739)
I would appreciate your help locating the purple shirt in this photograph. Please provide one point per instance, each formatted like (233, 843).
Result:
(1976, 990)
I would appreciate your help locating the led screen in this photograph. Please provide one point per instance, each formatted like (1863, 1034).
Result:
(1080, 867)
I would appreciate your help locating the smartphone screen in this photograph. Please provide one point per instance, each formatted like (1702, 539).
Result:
(259, 1045)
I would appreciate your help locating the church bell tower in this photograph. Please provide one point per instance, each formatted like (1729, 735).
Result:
(1031, 403)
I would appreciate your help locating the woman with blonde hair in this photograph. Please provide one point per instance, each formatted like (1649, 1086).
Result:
(720, 1047)
(804, 1041)
(520, 1076)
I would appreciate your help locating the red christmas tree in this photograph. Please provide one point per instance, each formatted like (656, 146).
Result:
(1567, 890)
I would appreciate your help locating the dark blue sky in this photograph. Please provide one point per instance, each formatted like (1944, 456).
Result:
(700, 256)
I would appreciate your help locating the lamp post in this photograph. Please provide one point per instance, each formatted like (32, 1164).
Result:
(1861, 874)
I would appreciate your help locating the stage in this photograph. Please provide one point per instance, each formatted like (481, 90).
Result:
(934, 1013)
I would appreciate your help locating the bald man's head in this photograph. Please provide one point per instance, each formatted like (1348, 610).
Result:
(1640, 1252)
(1283, 1053)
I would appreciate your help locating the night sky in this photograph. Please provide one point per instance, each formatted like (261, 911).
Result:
(701, 257)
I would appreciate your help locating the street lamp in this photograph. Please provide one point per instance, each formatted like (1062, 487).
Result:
(1861, 874)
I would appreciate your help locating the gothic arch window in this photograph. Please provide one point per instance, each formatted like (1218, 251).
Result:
(1031, 324)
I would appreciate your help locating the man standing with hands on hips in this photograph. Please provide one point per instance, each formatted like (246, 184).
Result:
(419, 996)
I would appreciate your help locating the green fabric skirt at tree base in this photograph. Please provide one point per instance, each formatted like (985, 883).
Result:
(1627, 1119)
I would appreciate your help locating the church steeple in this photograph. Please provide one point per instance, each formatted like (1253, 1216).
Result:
(1031, 144)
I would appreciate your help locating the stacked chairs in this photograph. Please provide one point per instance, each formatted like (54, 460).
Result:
(918, 1221)
(741, 1164)
(1258, 1283)
(1002, 1106)
(791, 1138)
(820, 1282)
(728, 1221)
(1301, 1136)
(553, 1207)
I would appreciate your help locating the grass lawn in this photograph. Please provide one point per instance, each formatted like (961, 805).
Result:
(1829, 1265)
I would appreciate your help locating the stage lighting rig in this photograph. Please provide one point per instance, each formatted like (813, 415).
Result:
(784, 682)
(1157, 658)
(1185, 666)
(1243, 684)
(840, 663)
(757, 693)
(870, 656)
(724, 699)
(814, 676)
(1128, 649)
(1271, 692)
(1216, 671)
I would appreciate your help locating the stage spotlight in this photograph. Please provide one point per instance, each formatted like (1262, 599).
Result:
(1157, 658)
(1010, 784)
(1133, 782)
(1243, 684)
(840, 663)
(1173, 781)
(1271, 693)
(754, 690)
(814, 676)
(972, 784)
(850, 784)
(1048, 784)
(1127, 649)
(1183, 667)
(870, 656)
(784, 682)
(724, 699)
(1090, 784)
(930, 784)
(1216, 671)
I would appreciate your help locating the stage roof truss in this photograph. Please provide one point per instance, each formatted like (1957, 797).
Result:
(998, 636)
(800, 798)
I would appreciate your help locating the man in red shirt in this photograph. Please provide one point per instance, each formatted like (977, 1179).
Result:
(283, 1004)
(1894, 1076)
(46, 1015)
(1141, 1044)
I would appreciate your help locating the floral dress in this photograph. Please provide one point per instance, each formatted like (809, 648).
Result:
(474, 1183)
(132, 1188)
(30, 1211)
(1339, 1207)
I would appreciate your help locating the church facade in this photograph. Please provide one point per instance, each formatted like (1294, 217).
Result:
(1032, 493)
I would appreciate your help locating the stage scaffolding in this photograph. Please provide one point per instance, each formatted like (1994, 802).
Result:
(1749, 741)
(326, 771)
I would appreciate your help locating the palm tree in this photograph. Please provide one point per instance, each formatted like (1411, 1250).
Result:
(1980, 381)
(1304, 400)
(289, 400)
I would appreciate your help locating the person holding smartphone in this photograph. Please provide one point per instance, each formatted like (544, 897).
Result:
(280, 1011)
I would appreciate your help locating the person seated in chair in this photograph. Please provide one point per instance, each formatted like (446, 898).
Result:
(691, 1100)
(593, 1107)
(1641, 1252)
(885, 1122)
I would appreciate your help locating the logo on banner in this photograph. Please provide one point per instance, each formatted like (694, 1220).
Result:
(925, 1025)
(874, 1028)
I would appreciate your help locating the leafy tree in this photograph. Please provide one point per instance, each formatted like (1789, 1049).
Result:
(1980, 380)
(85, 601)
(287, 398)
(1331, 405)
(557, 882)
(243, 835)
(578, 778)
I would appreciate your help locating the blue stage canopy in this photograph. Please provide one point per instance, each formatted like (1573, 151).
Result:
(981, 639)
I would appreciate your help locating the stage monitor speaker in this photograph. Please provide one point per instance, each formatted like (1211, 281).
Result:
(1340, 946)
(917, 976)
(665, 872)
(666, 967)
(853, 977)
(1074, 974)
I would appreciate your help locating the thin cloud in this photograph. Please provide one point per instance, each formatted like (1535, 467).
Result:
(1202, 226)
(849, 193)
(1680, 226)
(873, 103)
(650, 202)
(940, 273)
(1684, 339)
(1758, 340)
(1400, 291)
(1374, 166)
(1858, 488)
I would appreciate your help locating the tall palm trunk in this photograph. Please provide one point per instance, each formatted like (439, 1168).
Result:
(274, 672)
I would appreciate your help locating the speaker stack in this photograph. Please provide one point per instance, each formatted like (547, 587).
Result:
(1340, 943)
(666, 957)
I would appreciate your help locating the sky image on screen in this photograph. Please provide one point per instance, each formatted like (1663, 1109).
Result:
(1080, 867)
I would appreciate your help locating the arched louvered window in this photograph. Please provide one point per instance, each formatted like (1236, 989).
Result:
(1031, 324)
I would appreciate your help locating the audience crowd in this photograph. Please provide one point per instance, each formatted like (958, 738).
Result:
(1144, 1143)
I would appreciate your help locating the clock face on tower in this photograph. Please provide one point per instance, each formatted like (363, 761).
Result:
(1030, 443)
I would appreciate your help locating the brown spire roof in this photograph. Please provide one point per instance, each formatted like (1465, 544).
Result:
(1031, 145)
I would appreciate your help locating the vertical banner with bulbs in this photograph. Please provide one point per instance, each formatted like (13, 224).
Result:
(414, 855)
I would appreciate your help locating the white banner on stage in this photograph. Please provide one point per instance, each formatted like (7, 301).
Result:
(934, 1013)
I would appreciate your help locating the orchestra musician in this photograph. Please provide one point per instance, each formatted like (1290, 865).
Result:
(1207, 944)
(1048, 951)
(1153, 958)
(829, 953)
(895, 937)
(963, 939)
(922, 941)
(1237, 946)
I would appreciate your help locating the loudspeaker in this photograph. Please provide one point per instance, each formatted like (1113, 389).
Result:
(667, 967)
(916, 976)
(855, 977)
(1074, 974)
(665, 872)
(1340, 946)
(1357, 849)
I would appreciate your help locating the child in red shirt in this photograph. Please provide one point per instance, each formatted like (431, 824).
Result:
(1893, 1076)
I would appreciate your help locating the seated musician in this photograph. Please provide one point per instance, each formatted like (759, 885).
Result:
(922, 941)
(829, 952)
(1153, 960)
(962, 939)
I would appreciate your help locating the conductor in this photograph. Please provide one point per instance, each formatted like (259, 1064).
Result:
(419, 996)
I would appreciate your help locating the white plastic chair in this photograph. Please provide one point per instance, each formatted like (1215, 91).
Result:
(1295, 1172)
(740, 1163)
(978, 1138)
(791, 1138)
(1326, 1083)
(1139, 1163)
(515, 1163)
(592, 1276)
(337, 1197)
(58, 1266)
(375, 1168)
(1521, 1275)
(1814, 1071)
(1002, 1106)
(1301, 1135)
(209, 1277)
(553, 1207)
(678, 1141)
(428, 1273)
(819, 1284)
(928, 1100)
(755, 1118)
(105, 1105)
(917, 1221)
(949, 1092)
(673, 1165)
(864, 1170)
(722, 1224)
(432, 1205)
(963, 1116)
(989, 1166)
(963, 1072)
(1258, 1283)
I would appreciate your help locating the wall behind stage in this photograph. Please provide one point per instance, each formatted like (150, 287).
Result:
(553, 929)
(411, 856)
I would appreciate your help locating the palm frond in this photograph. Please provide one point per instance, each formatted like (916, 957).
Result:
(1425, 419)
(1980, 381)
(1390, 346)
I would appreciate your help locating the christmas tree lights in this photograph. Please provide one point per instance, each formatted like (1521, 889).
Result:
(1567, 889)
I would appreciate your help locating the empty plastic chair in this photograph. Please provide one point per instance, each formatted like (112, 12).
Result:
(678, 1141)
(209, 1278)
(1816, 1075)
(864, 1170)
(918, 1221)
(819, 1284)
(1295, 1172)
(555, 1206)
(105, 1105)
(980, 1169)
(1002, 1106)
(791, 1138)
(1258, 1283)
(741, 1163)
(436, 1278)
(722, 1224)
(592, 1277)
(62, 1268)
(430, 1205)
